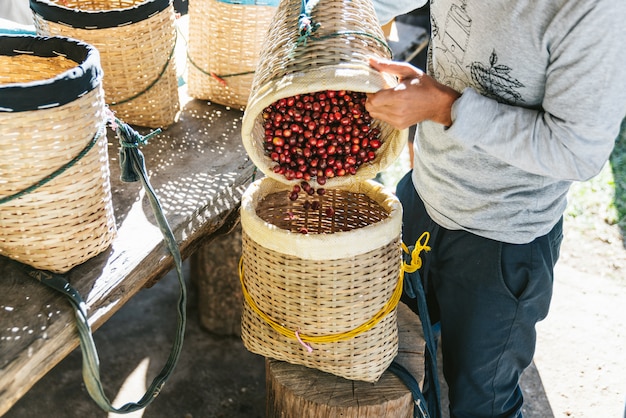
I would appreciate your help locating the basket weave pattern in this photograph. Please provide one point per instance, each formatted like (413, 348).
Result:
(225, 40)
(69, 219)
(140, 81)
(334, 57)
(322, 297)
(283, 55)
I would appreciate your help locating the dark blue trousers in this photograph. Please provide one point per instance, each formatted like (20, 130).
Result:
(487, 296)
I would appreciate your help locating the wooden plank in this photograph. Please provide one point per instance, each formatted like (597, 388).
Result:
(295, 390)
(199, 169)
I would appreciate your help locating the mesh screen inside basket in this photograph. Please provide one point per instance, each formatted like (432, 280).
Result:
(336, 210)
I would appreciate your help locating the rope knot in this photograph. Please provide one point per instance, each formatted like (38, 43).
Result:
(306, 25)
(306, 28)
(412, 253)
(130, 140)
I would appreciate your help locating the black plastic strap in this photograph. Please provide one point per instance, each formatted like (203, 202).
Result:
(415, 289)
(134, 169)
(419, 402)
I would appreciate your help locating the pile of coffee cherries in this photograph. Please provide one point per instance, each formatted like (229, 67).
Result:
(319, 135)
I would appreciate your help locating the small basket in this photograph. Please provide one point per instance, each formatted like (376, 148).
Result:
(136, 40)
(331, 53)
(55, 197)
(325, 299)
(225, 38)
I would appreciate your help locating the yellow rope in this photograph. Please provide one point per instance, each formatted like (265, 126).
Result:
(416, 261)
(392, 303)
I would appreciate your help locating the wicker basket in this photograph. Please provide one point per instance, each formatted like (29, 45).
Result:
(334, 289)
(225, 38)
(334, 57)
(55, 196)
(136, 40)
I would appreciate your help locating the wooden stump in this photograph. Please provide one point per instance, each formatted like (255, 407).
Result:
(214, 268)
(295, 391)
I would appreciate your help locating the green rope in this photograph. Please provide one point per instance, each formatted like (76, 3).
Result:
(307, 28)
(218, 77)
(129, 139)
(356, 33)
(58, 171)
(341, 33)
(167, 64)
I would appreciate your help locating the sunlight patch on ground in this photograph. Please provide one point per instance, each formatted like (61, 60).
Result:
(132, 389)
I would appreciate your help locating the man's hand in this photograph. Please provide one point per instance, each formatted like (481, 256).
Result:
(416, 98)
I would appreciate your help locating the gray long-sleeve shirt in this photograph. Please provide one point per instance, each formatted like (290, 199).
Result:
(543, 93)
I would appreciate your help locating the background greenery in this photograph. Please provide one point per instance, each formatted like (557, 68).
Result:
(603, 198)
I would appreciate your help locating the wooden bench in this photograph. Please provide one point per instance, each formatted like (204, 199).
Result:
(199, 169)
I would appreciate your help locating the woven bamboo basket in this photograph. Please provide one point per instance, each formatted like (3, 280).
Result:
(225, 38)
(136, 40)
(332, 57)
(55, 196)
(325, 299)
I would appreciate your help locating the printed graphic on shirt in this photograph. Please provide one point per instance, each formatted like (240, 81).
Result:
(495, 81)
(490, 78)
(453, 46)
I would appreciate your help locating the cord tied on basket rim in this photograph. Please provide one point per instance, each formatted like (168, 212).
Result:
(129, 139)
(306, 25)
(307, 28)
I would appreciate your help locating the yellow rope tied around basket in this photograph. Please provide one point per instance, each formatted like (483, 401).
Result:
(416, 261)
(391, 304)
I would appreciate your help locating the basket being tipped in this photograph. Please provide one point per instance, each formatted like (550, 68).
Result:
(320, 48)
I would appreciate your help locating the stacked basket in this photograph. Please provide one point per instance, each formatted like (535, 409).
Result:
(225, 38)
(320, 271)
(136, 40)
(55, 197)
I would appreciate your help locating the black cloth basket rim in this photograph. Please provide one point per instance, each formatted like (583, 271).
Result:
(101, 19)
(56, 91)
